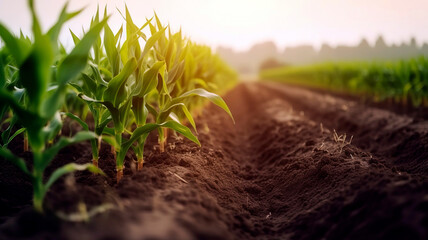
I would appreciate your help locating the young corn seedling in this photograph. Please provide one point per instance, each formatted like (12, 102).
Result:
(7, 83)
(152, 83)
(44, 95)
(179, 81)
(129, 89)
(94, 82)
(9, 80)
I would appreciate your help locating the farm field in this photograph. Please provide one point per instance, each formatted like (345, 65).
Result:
(285, 170)
(396, 82)
(118, 123)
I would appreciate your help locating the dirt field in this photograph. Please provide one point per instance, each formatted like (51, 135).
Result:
(280, 173)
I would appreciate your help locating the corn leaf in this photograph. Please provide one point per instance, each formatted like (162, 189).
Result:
(150, 79)
(76, 39)
(116, 91)
(214, 98)
(69, 168)
(26, 118)
(78, 120)
(138, 132)
(71, 67)
(52, 129)
(63, 17)
(139, 109)
(182, 107)
(76, 61)
(50, 153)
(111, 50)
(105, 119)
(89, 85)
(35, 73)
(17, 161)
(5, 135)
(151, 42)
(16, 47)
(183, 130)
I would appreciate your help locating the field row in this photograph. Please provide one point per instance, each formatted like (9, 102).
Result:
(119, 86)
(404, 82)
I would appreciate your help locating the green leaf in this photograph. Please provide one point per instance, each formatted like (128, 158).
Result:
(70, 67)
(152, 110)
(90, 84)
(200, 82)
(50, 153)
(188, 116)
(143, 131)
(138, 132)
(15, 46)
(19, 131)
(115, 114)
(76, 39)
(110, 140)
(151, 42)
(118, 35)
(96, 74)
(105, 119)
(2, 73)
(150, 78)
(214, 98)
(108, 131)
(124, 113)
(78, 120)
(63, 17)
(166, 113)
(175, 73)
(37, 31)
(19, 162)
(5, 135)
(77, 87)
(69, 168)
(183, 130)
(76, 61)
(140, 110)
(116, 91)
(162, 87)
(111, 50)
(35, 73)
(27, 119)
(52, 129)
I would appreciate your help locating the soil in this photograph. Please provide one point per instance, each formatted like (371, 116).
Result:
(283, 171)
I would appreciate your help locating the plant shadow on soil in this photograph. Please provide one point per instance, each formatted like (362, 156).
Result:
(276, 174)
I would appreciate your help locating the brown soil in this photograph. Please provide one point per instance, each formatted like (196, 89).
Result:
(277, 174)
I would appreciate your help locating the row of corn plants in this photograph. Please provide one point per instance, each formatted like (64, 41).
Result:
(131, 82)
(404, 82)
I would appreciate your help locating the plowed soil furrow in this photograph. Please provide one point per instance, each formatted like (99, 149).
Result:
(401, 139)
(275, 174)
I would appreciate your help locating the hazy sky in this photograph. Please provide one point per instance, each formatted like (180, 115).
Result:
(241, 23)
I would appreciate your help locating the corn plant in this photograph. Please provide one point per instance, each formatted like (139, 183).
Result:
(93, 86)
(44, 93)
(186, 79)
(122, 94)
(126, 82)
(8, 78)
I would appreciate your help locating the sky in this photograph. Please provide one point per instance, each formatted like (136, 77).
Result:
(241, 23)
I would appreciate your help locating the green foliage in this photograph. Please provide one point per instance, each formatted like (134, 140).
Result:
(132, 85)
(404, 81)
(36, 97)
(161, 78)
